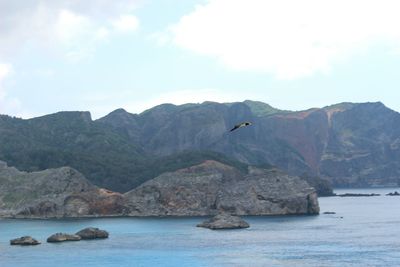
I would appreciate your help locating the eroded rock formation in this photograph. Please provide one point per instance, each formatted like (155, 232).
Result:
(212, 187)
(224, 221)
(204, 189)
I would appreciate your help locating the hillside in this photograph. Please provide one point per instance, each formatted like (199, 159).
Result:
(348, 144)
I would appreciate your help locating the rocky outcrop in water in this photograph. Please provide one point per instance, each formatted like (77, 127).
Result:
(358, 195)
(24, 241)
(212, 187)
(92, 233)
(61, 237)
(329, 212)
(224, 221)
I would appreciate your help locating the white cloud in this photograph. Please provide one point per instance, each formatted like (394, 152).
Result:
(73, 28)
(287, 38)
(5, 70)
(8, 105)
(161, 38)
(70, 25)
(76, 33)
(102, 33)
(125, 23)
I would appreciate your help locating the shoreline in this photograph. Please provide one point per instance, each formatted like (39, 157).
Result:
(146, 217)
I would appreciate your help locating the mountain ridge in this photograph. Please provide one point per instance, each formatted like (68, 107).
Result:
(122, 149)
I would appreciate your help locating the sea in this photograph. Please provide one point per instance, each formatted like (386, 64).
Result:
(365, 231)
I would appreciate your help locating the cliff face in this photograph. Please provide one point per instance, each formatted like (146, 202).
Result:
(62, 192)
(203, 189)
(363, 148)
(346, 144)
(212, 187)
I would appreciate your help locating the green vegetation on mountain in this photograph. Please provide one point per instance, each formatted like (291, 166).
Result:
(261, 109)
(104, 155)
(347, 144)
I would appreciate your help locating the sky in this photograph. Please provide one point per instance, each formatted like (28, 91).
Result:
(100, 55)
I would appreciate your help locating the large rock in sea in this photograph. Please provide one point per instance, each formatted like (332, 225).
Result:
(92, 233)
(61, 237)
(212, 187)
(24, 241)
(62, 192)
(224, 221)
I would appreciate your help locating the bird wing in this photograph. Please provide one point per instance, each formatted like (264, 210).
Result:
(234, 128)
(243, 124)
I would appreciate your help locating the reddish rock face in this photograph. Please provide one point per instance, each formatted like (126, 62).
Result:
(106, 202)
(306, 132)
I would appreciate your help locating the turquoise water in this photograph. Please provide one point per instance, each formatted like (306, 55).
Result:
(365, 231)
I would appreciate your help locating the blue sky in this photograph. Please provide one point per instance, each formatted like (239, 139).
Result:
(134, 54)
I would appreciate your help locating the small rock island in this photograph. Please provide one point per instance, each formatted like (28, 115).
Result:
(62, 237)
(24, 241)
(224, 221)
(92, 233)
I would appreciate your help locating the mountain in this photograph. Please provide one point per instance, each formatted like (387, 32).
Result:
(104, 154)
(69, 139)
(347, 144)
(204, 189)
(363, 147)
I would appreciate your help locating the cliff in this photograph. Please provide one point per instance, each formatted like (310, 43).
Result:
(212, 187)
(62, 192)
(203, 189)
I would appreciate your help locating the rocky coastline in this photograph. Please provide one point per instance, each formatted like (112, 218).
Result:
(202, 190)
(357, 195)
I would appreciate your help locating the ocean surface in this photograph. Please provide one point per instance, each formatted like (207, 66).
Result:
(365, 231)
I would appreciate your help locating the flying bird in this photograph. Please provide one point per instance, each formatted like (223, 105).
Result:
(240, 125)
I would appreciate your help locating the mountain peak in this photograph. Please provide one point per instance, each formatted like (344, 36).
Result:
(84, 116)
(261, 109)
(120, 110)
(119, 117)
